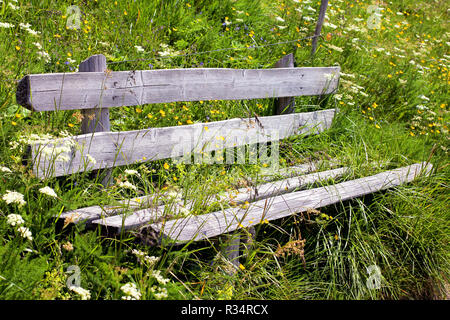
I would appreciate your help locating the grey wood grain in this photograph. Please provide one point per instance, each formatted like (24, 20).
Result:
(285, 105)
(97, 119)
(320, 21)
(88, 90)
(200, 227)
(239, 196)
(109, 149)
(87, 214)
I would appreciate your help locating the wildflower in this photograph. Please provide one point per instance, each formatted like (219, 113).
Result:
(184, 211)
(127, 185)
(157, 275)
(14, 197)
(43, 55)
(241, 266)
(67, 246)
(14, 219)
(166, 166)
(424, 98)
(5, 169)
(48, 191)
(139, 49)
(161, 294)
(25, 233)
(279, 19)
(6, 25)
(91, 159)
(150, 260)
(13, 7)
(131, 292)
(172, 194)
(130, 172)
(84, 294)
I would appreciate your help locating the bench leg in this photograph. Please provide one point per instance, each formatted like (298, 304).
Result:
(230, 250)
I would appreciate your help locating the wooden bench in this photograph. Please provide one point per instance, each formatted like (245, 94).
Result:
(94, 90)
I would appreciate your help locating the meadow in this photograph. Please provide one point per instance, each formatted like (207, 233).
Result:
(393, 101)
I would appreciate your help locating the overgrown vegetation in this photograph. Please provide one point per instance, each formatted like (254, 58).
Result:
(393, 101)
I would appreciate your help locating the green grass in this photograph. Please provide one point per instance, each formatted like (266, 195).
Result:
(393, 101)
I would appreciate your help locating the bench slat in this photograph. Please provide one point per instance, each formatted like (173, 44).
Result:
(88, 90)
(200, 227)
(144, 216)
(109, 149)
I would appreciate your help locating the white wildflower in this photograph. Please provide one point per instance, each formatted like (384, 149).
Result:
(130, 172)
(127, 185)
(335, 48)
(13, 7)
(91, 159)
(421, 107)
(139, 49)
(281, 27)
(279, 19)
(157, 275)
(14, 197)
(150, 260)
(184, 211)
(24, 25)
(25, 233)
(402, 81)
(14, 219)
(5, 169)
(38, 45)
(48, 191)
(131, 291)
(350, 75)
(424, 98)
(172, 194)
(85, 294)
(160, 293)
(6, 25)
(329, 24)
(44, 55)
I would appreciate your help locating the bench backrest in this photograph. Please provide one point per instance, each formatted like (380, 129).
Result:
(101, 90)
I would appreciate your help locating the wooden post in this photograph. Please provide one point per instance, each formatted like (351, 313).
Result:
(232, 247)
(95, 120)
(285, 105)
(323, 10)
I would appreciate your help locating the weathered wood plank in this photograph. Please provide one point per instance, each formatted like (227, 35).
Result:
(109, 149)
(87, 214)
(200, 227)
(88, 90)
(285, 105)
(239, 196)
(292, 171)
